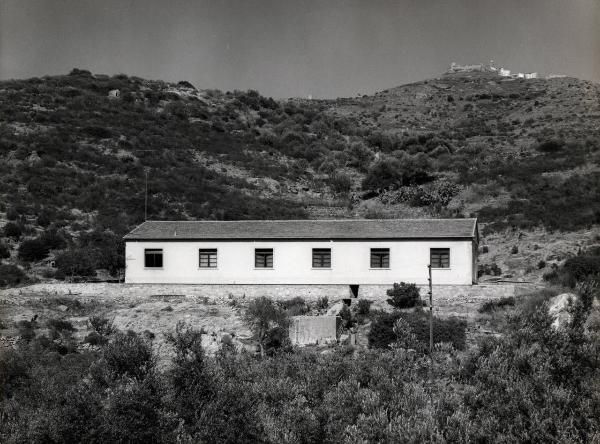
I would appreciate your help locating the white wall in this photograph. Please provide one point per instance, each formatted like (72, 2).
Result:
(293, 263)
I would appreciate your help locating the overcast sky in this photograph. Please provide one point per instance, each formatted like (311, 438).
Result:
(285, 48)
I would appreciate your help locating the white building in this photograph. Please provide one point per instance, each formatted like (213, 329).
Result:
(350, 253)
(504, 72)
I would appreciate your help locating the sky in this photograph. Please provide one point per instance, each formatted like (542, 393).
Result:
(297, 48)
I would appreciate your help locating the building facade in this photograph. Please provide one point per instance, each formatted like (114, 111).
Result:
(332, 252)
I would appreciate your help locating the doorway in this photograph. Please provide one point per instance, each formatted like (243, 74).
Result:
(354, 291)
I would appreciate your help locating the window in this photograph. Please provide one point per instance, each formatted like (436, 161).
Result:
(439, 257)
(321, 258)
(263, 258)
(153, 258)
(380, 258)
(208, 258)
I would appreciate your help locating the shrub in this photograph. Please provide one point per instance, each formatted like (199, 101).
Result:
(11, 275)
(33, 250)
(490, 269)
(4, 251)
(60, 325)
(346, 315)
(12, 214)
(340, 183)
(53, 239)
(550, 146)
(93, 338)
(13, 230)
(490, 306)
(363, 307)
(382, 333)
(390, 171)
(323, 303)
(295, 307)
(404, 295)
(127, 354)
(541, 264)
(514, 250)
(26, 329)
(76, 262)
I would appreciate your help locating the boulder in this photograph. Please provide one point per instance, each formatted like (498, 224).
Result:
(335, 309)
(559, 307)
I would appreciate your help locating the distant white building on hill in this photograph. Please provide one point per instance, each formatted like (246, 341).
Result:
(315, 254)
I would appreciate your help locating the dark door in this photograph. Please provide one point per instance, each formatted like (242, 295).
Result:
(354, 291)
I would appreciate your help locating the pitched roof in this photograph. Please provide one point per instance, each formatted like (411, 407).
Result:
(306, 229)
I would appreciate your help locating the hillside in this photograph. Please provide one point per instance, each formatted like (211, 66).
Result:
(522, 155)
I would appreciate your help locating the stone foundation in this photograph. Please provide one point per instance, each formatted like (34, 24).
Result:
(308, 292)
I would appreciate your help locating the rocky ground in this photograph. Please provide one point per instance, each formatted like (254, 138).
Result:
(157, 313)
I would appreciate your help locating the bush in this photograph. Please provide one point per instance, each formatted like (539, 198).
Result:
(101, 325)
(550, 146)
(346, 315)
(93, 338)
(295, 307)
(340, 183)
(323, 303)
(33, 250)
(404, 295)
(363, 307)
(13, 230)
(541, 264)
(4, 251)
(60, 325)
(490, 306)
(11, 275)
(382, 333)
(489, 269)
(390, 171)
(76, 262)
(514, 250)
(127, 354)
(26, 329)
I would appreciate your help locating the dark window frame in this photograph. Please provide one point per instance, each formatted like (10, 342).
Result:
(439, 258)
(321, 258)
(153, 258)
(379, 258)
(206, 256)
(264, 258)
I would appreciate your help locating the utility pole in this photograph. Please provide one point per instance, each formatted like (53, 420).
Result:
(430, 323)
(146, 197)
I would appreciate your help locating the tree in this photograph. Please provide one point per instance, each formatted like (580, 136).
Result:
(264, 318)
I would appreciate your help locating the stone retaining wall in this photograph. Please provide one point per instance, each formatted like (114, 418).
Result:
(308, 292)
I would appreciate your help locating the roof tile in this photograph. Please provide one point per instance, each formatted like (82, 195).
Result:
(305, 229)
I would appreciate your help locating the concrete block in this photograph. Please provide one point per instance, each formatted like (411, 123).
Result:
(305, 330)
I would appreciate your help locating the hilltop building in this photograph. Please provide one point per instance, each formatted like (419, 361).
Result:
(354, 254)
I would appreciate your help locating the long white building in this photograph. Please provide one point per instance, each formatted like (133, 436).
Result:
(352, 253)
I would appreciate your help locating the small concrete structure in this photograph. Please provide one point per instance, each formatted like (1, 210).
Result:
(307, 330)
(114, 94)
(504, 72)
